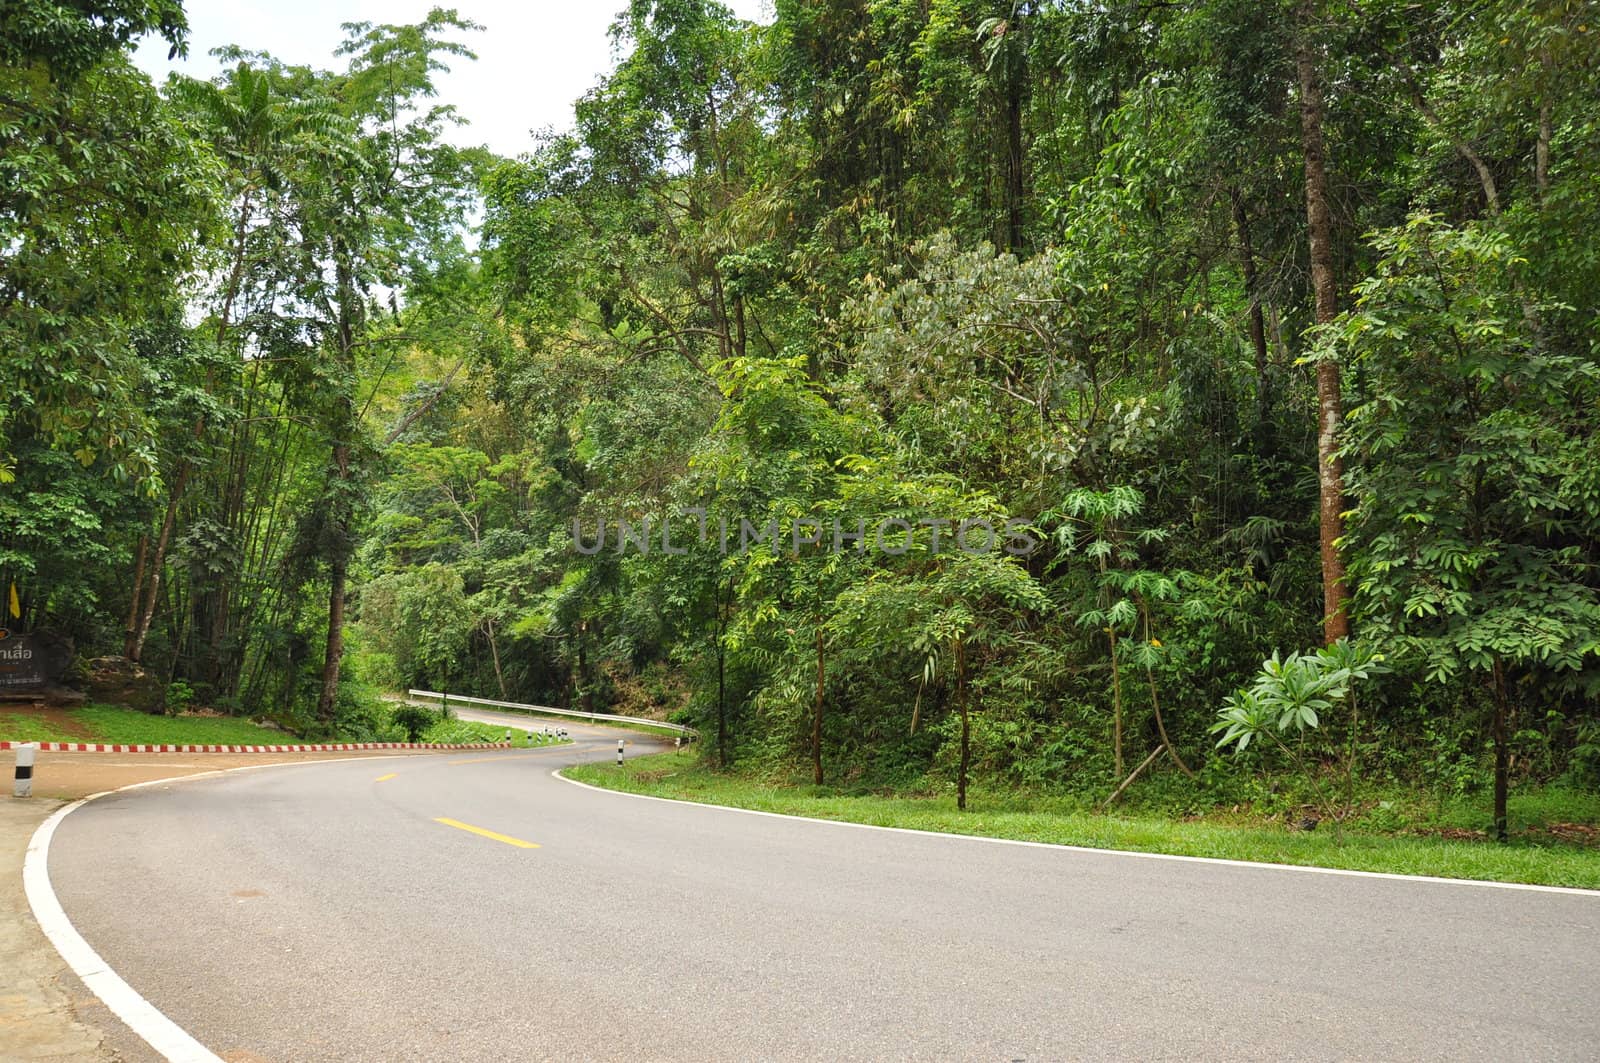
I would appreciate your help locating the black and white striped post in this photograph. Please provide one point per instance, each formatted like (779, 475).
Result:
(619, 752)
(508, 736)
(24, 784)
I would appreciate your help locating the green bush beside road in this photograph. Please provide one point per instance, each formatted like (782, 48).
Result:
(1536, 853)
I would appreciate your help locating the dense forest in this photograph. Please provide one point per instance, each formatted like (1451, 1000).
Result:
(899, 391)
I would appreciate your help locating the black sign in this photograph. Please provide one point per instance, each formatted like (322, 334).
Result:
(31, 662)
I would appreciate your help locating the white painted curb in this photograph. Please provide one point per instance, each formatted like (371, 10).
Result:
(1303, 868)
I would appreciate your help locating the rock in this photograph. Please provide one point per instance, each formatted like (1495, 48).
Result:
(119, 681)
(64, 697)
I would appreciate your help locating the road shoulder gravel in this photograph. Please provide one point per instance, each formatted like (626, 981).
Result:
(39, 997)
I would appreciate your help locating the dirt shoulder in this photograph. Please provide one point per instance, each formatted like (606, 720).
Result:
(69, 776)
(42, 1006)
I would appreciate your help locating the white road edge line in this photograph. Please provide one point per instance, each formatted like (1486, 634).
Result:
(169, 1039)
(140, 1016)
(1303, 868)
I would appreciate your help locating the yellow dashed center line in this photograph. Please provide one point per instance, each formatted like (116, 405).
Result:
(386, 778)
(458, 825)
(490, 760)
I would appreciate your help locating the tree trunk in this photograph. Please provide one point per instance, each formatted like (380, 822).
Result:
(139, 628)
(1258, 324)
(1541, 154)
(722, 687)
(966, 725)
(494, 655)
(134, 649)
(816, 717)
(1116, 703)
(138, 589)
(585, 688)
(338, 571)
(343, 516)
(1502, 751)
(1015, 160)
(1330, 413)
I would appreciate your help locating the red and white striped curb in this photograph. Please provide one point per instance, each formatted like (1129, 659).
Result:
(81, 747)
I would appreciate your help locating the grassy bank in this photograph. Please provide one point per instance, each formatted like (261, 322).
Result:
(454, 731)
(554, 718)
(1532, 857)
(116, 725)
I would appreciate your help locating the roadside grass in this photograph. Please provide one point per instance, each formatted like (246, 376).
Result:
(122, 726)
(463, 732)
(553, 717)
(20, 727)
(1527, 858)
(115, 725)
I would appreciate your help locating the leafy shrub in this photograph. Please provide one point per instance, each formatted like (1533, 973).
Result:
(1583, 766)
(415, 720)
(180, 696)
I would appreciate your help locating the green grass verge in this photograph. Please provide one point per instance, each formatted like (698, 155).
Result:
(553, 717)
(462, 732)
(121, 726)
(1042, 819)
(114, 725)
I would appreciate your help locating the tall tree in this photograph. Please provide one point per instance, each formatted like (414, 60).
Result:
(1325, 291)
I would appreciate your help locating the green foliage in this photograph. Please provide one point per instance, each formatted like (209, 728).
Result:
(1293, 692)
(414, 720)
(179, 697)
(898, 264)
(1475, 475)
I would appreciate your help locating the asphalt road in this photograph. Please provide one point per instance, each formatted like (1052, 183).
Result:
(324, 912)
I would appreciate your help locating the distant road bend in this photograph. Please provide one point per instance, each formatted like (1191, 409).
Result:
(474, 907)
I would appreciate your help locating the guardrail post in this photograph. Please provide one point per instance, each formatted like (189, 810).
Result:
(23, 787)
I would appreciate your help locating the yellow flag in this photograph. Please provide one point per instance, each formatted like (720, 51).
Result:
(16, 604)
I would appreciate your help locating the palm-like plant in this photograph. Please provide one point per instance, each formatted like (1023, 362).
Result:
(1293, 693)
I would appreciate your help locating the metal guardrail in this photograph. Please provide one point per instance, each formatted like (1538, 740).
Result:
(442, 698)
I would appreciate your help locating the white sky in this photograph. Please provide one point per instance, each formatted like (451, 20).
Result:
(534, 58)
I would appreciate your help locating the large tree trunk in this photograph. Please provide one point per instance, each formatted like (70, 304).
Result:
(1330, 412)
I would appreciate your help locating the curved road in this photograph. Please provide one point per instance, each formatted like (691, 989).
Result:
(323, 912)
